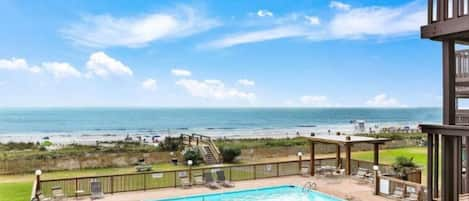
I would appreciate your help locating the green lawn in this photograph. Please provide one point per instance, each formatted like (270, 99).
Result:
(388, 156)
(15, 191)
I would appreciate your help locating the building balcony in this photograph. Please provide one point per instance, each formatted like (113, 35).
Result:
(447, 20)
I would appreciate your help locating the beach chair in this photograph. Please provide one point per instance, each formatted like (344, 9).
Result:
(209, 181)
(398, 193)
(198, 180)
(222, 180)
(57, 193)
(96, 190)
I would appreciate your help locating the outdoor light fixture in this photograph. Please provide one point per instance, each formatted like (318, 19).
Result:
(189, 162)
(300, 154)
(38, 172)
(375, 167)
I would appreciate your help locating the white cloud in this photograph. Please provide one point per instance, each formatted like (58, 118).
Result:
(136, 31)
(149, 84)
(14, 64)
(103, 65)
(349, 24)
(264, 13)
(339, 5)
(61, 70)
(214, 89)
(316, 101)
(378, 21)
(181, 73)
(245, 82)
(313, 20)
(258, 36)
(382, 100)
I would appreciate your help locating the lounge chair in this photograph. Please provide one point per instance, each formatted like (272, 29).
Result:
(57, 193)
(209, 181)
(198, 180)
(96, 190)
(222, 180)
(398, 193)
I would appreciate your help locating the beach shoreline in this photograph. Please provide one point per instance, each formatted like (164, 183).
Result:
(91, 138)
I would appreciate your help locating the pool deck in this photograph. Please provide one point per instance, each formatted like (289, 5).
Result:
(338, 187)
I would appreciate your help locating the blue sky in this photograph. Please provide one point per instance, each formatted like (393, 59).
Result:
(243, 53)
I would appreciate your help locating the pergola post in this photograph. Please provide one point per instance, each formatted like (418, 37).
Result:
(348, 159)
(376, 154)
(312, 169)
(337, 157)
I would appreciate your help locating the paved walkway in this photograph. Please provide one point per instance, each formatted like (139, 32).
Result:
(342, 188)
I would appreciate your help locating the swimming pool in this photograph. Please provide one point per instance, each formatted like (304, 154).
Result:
(276, 193)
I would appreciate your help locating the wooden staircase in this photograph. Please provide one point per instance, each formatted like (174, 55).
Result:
(209, 151)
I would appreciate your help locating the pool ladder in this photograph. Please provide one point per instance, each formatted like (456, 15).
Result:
(309, 186)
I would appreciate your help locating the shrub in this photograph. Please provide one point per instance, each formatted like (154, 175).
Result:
(170, 144)
(194, 155)
(230, 153)
(403, 166)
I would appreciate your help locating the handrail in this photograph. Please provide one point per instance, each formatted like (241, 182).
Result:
(445, 129)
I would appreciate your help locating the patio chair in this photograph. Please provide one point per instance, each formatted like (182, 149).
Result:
(57, 193)
(185, 183)
(209, 181)
(362, 175)
(222, 180)
(398, 193)
(305, 172)
(96, 190)
(412, 197)
(42, 197)
(198, 180)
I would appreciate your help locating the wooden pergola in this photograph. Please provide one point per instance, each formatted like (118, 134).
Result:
(347, 142)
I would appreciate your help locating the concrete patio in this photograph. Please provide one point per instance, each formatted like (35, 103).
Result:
(339, 187)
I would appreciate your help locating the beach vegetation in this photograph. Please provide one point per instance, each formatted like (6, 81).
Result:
(170, 144)
(194, 155)
(396, 136)
(230, 154)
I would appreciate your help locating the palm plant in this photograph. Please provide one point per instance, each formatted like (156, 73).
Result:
(403, 166)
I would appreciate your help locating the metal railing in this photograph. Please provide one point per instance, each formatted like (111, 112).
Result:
(81, 186)
(397, 188)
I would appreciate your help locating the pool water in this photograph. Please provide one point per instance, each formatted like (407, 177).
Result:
(278, 193)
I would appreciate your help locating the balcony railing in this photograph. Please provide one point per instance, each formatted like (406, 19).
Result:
(441, 10)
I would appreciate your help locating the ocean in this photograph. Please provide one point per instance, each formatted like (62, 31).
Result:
(34, 123)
